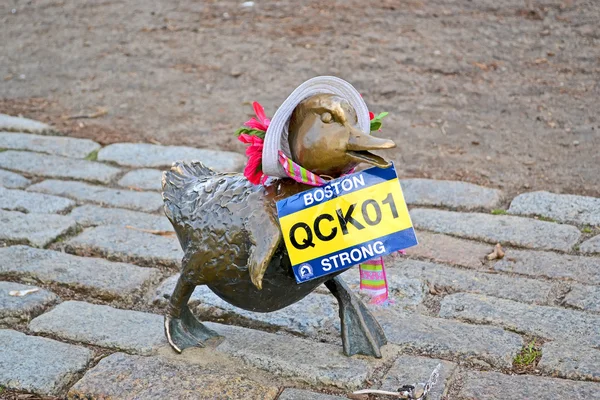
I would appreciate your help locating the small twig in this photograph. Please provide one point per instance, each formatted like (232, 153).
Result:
(100, 111)
(21, 293)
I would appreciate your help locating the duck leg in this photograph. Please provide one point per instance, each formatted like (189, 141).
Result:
(182, 329)
(361, 333)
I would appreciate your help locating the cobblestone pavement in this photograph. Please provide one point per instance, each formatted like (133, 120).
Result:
(84, 241)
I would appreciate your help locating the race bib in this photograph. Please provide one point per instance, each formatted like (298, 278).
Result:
(349, 220)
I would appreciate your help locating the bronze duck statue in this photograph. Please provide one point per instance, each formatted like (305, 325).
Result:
(232, 241)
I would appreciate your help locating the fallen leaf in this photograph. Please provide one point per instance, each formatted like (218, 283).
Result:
(497, 254)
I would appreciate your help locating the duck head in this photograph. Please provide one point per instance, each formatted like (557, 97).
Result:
(324, 138)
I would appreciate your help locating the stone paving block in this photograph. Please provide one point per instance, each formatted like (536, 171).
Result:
(20, 124)
(39, 365)
(50, 166)
(153, 155)
(442, 338)
(156, 378)
(57, 145)
(559, 207)
(591, 246)
(90, 215)
(583, 297)
(128, 245)
(408, 370)
(308, 361)
(496, 386)
(121, 198)
(142, 179)
(507, 229)
(35, 229)
(15, 309)
(298, 394)
(514, 288)
(20, 200)
(131, 331)
(550, 265)
(10, 180)
(94, 276)
(450, 250)
(547, 322)
(570, 360)
(313, 315)
(453, 194)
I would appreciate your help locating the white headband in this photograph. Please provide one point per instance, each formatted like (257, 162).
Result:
(276, 137)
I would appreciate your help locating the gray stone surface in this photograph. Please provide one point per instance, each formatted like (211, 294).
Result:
(550, 265)
(508, 287)
(152, 155)
(313, 315)
(50, 166)
(453, 194)
(11, 180)
(450, 250)
(584, 298)
(559, 207)
(90, 215)
(547, 322)
(506, 229)
(93, 276)
(497, 386)
(20, 200)
(591, 246)
(35, 229)
(20, 124)
(442, 338)
(15, 309)
(408, 370)
(570, 360)
(298, 394)
(131, 331)
(142, 179)
(39, 365)
(57, 145)
(129, 245)
(308, 361)
(122, 198)
(156, 378)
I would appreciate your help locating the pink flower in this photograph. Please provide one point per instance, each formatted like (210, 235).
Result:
(262, 123)
(253, 170)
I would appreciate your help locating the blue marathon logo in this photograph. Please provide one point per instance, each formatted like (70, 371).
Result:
(305, 271)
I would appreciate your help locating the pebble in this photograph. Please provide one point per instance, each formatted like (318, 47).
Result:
(49, 166)
(56, 145)
(20, 124)
(17, 309)
(125, 330)
(92, 276)
(560, 207)
(121, 198)
(452, 194)
(142, 179)
(10, 180)
(158, 378)
(546, 322)
(141, 155)
(35, 229)
(496, 386)
(128, 245)
(517, 231)
(39, 365)
(20, 200)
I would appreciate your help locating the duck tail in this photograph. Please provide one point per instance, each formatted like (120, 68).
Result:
(177, 186)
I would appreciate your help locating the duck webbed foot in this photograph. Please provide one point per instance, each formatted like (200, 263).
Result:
(361, 333)
(182, 329)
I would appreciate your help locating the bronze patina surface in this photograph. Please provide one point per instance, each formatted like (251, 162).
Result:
(232, 242)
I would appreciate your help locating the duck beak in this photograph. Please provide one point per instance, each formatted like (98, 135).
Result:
(359, 145)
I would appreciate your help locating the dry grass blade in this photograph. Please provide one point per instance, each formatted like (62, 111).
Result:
(152, 231)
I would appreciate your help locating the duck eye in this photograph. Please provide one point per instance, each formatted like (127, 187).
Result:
(326, 117)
